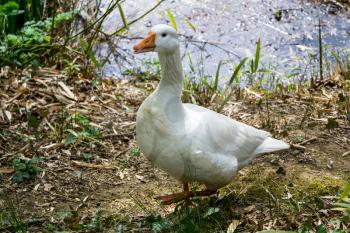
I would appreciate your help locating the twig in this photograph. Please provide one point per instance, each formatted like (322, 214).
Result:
(299, 147)
(96, 166)
(121, 152)
(214, 44)
(307, 141)
(138, 18)
(346, 153)
(112, 135)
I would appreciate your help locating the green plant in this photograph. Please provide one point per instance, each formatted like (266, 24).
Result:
(135, 152)
(71, 68)
(234, 77)
(343, 204)
(25, 170)
(10, 217)
(203, 89)
(82, 130)
(254, 63)
(8, 11)
(32, 44)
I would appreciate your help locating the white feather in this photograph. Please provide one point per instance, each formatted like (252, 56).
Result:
(271, 145)
(190, 142)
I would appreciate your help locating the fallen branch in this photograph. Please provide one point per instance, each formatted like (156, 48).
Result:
(300, 146)
(307, 141)
(95, 166)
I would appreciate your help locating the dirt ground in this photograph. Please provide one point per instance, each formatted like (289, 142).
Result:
(111, 174)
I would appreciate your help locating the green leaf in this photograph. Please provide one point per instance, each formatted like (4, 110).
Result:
(257, 56)
(88, 156)
(172, 19)
(345, 193)
(264, 70)
(236, 72)
(344, 205)
(35, 160)
(63, 214)
(9, 8)
(71, 139)
(216, 79)
(190, 24)
(211, 211)
(191, 63)
(321, 229)
(87, 49)
(33, 121)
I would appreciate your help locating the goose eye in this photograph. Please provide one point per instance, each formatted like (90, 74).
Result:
(164, 35)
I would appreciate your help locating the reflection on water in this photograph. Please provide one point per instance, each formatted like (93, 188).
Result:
(287, 29)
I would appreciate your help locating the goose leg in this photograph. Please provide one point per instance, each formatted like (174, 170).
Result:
(177, 197)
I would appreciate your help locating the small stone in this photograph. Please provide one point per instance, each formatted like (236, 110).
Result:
(330, 164)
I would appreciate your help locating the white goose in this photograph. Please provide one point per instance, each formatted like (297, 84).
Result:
(189, 142)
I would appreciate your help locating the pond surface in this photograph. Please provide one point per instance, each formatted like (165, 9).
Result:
(229, 29)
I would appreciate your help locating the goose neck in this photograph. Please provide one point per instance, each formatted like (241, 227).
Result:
(172, 74)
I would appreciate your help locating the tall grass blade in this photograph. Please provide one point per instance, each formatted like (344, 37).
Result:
(122, 15)
(191, 63)
(233, 77)
(190, 24)
(236, 71)
(172, 19)
(224, 102)
(216, 79)
(320, 47)
(257, 56)
(87, 49)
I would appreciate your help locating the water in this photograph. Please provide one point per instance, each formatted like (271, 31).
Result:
(229, 29)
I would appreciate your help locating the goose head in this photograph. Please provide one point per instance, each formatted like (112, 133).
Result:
(162, 39)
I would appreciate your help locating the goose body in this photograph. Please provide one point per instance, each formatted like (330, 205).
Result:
(189, 142)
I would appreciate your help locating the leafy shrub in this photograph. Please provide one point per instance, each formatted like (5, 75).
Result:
(33, 43)
(25, 170)
(9, 8)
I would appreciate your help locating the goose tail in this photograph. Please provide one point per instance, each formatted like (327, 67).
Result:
(271, 145)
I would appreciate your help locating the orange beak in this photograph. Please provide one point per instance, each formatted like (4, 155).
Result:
(147, 44)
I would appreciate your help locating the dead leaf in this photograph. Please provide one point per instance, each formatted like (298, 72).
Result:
(141, 178)
(6, 170)
(8, 115)
(66, 91)
(36, 187)
(249, 209)
(121, 175)
(232, 227)
(85, 199)
(48, 187)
